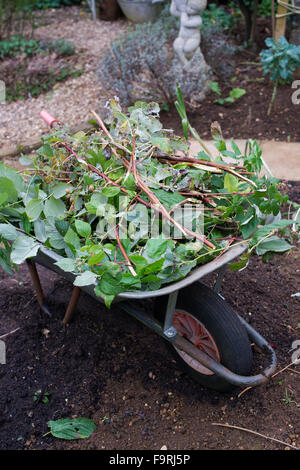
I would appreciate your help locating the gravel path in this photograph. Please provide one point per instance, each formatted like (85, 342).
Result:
(68, 101)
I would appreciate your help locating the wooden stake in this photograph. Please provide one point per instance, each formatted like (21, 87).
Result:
(280, 22)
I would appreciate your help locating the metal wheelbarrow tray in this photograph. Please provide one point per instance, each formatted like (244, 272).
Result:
(208, 339)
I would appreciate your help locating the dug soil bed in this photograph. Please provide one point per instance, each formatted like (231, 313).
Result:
(106, 366)
(32, 75)
(247, 117)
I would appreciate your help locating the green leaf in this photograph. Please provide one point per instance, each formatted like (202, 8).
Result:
(62, 226)
(57, 240)
(79, 428)
(83, 228)
(139, 262)
(237, 93)
(111, 191)
(214, 86)
(54, 208)
(72, 240)
(167, 198)
(154, 267)
(66, 264)
(241, 264)
(162, 143)
(185, 128)
(45, 150)
(59, 190)
(25, 161)
(23, 248)
(96, 258)
(34, 209)
(273, 244)
(235, 148)
(266, 229)
(85, 279)
(3, 198)
(9, 232)
(40, 230)
(5, 262)
(11, 174)
(231, 183)
(156, 247)
(108, 299)
(7, 187)
(130, 282)
(151, 278)
(109, 284)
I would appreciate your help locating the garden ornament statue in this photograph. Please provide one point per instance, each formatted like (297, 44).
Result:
(188, 41)
(189, 66)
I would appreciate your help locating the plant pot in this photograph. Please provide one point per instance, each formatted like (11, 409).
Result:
(140, 12)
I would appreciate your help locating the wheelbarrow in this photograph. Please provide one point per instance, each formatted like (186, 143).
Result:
(207, 338)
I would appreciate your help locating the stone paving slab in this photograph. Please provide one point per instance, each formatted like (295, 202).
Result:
(283, 158)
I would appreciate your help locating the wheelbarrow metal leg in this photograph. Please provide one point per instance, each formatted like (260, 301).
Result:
(72, 304)
(169, 329)
(221, 274)
(40, 294)
(37, 286)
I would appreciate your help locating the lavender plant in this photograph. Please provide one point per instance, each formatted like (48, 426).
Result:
(138, 65)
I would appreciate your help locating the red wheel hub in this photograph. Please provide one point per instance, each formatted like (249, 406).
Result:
(193, 330)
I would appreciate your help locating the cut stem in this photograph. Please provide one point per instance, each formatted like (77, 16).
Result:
(273, 98)
(124, 253)
(256, 433)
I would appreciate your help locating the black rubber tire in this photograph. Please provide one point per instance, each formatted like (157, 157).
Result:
(224, 326)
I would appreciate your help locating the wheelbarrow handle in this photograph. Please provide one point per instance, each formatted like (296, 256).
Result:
(48, 118)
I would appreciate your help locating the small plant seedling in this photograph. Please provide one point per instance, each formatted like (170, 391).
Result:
(186, 126)
(41, 396)
(165, 106)
(287, 400)
(279, 61)
(234, 94)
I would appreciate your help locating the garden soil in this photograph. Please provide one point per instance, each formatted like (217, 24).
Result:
(106, 366)
(247, 117)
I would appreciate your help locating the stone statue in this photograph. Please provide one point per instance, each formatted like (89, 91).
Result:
(189, 66)
(187, 44)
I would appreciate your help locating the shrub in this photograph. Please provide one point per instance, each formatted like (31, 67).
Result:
(279, 61)
(62, 47)
(217, 15)
(43, 4)
(18, 45)
(138, 65)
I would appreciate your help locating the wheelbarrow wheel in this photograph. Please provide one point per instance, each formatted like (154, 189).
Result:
(205, 319)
